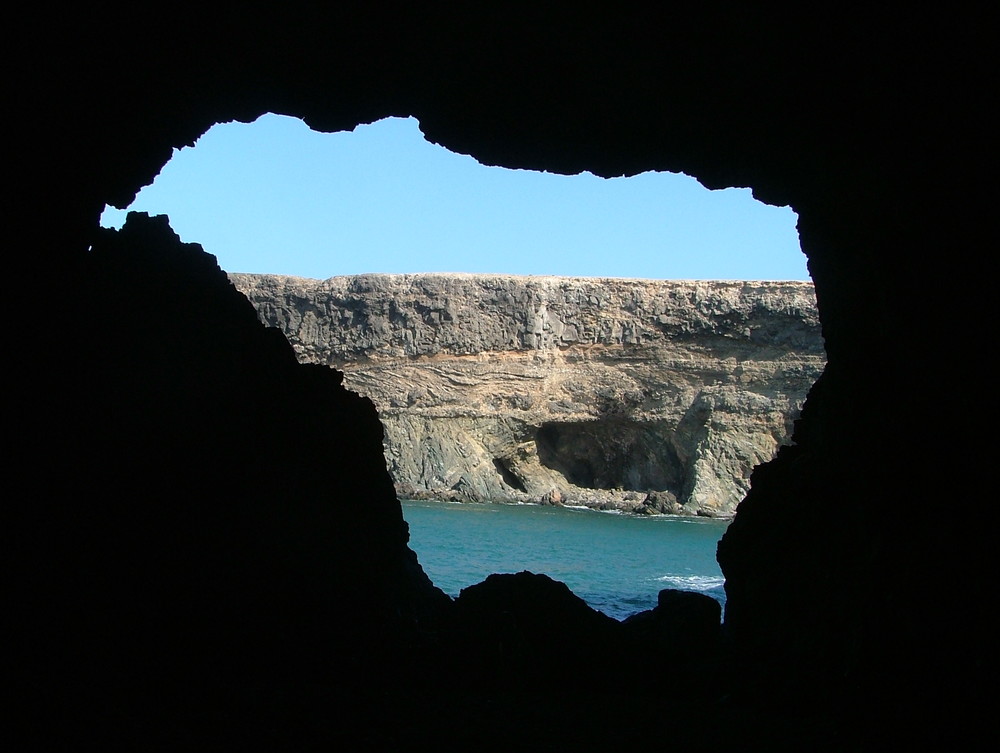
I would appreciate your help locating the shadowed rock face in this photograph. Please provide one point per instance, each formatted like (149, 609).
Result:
(855, 610)
(580, 391)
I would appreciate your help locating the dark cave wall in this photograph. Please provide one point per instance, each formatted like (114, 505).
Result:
(873, 129)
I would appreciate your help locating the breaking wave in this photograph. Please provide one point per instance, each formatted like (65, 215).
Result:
(693, 582)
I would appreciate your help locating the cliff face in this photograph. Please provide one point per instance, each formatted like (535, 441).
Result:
(645, 396)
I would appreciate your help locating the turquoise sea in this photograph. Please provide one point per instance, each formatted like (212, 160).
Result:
(616, 563)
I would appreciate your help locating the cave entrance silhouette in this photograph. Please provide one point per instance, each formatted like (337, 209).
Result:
(514, 222)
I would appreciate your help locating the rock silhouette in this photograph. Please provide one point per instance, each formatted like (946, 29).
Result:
(176, 583)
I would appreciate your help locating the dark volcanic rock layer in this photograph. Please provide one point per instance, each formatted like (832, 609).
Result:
(856, 616)
(633, 395)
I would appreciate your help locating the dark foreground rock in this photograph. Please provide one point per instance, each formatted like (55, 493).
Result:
(223, 576)
(682, 621)
(200, 556)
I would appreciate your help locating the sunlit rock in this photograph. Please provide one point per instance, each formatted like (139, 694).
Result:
(591, 392)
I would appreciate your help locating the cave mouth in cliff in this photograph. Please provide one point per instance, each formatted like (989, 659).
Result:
(613, 453)
(508, 476)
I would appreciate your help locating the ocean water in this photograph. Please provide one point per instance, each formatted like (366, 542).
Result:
(616, 563)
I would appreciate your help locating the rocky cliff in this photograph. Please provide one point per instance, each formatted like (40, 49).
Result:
(638, 395)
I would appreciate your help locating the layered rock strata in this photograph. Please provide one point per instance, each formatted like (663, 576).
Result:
(636, 395)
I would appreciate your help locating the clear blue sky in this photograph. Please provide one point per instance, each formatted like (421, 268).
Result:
(275, 197)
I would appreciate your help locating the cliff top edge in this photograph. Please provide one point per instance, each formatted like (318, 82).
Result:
(532, 278)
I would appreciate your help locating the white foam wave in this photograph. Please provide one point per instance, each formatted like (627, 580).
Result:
(693, 582)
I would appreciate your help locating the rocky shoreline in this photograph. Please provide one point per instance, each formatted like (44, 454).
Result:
(604, 500)
(642, 396)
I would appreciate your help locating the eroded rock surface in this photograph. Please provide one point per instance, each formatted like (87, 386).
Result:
(638, 395)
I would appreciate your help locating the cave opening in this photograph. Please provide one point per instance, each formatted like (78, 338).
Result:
(611, 454)
(508, 476)
(266, 206)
